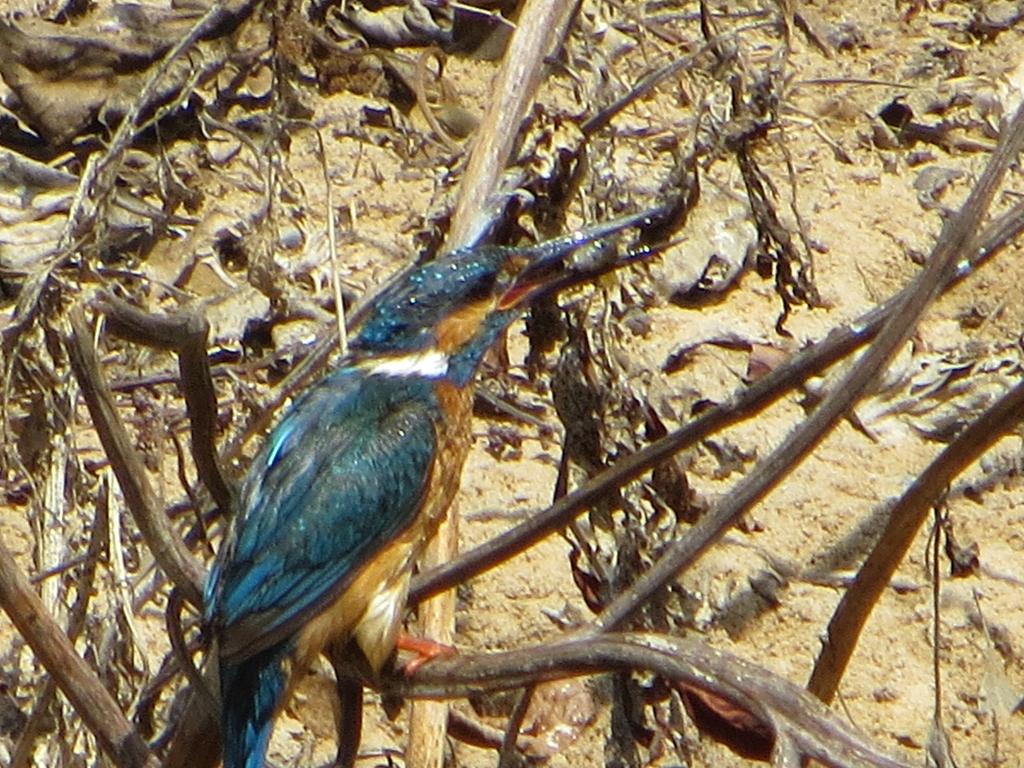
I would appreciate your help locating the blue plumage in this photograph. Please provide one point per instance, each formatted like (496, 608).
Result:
(348, 476)
(251, 691)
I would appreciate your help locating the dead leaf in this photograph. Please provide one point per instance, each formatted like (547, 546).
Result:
(727, 723)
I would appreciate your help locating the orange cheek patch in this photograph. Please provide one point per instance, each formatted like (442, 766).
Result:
(460, 326)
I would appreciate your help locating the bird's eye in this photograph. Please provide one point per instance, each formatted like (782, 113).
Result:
(480, 289)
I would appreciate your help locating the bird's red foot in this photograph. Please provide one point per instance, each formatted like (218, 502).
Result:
(425, 651)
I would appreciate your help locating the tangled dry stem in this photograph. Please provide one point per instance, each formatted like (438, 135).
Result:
(799, 725)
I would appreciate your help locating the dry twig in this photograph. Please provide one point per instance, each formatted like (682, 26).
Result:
(22, 756)
(541, 24)
(186, 333)
(167, 547)
(905, 520)
(97, 708)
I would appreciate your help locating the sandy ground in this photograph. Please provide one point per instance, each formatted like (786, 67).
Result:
(869, 207)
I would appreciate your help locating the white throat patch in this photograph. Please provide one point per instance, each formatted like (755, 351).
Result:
(431, 364)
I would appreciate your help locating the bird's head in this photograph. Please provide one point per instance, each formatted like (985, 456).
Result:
(442, 316)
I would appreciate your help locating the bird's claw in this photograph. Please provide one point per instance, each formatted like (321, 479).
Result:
(425, 650)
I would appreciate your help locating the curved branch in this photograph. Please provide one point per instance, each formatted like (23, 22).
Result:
(795, 719)
(186, 334)
(168, 548)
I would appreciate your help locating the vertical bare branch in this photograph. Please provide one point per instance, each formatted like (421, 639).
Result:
(22, 757)
(428, 719)
(541, 23)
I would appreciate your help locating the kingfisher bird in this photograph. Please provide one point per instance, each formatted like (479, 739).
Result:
(357, 475)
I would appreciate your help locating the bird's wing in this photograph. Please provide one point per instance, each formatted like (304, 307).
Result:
(344, 472)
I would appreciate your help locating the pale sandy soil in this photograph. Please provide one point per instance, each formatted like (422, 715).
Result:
(864, 216)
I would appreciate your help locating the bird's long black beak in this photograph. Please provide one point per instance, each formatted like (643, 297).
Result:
(548, 267)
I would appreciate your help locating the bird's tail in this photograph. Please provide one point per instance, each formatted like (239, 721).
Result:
(251, 692)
